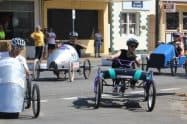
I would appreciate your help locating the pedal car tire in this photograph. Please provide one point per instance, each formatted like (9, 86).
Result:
(86, 68)
(98, 91)
(36, 100)
(173, 67)
(71, 72)
(151, 98)
(36, 70)
(28, 94)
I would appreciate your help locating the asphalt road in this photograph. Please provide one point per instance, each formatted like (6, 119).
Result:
(64, 102)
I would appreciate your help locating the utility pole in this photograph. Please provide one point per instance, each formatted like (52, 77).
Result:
(157, 21)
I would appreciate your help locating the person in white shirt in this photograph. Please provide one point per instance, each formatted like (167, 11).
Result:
(51, 37)
(17, 45)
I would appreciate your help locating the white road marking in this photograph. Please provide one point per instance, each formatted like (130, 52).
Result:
(170, 89)
(44, 101)
(70, 98)
(107, 95)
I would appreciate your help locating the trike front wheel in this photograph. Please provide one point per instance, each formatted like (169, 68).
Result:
(151, 96)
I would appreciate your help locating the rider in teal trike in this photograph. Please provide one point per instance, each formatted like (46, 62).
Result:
(125, 75)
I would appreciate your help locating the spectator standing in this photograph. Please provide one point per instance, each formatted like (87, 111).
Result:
(38, 37)
(45, 41)
(2, 33)
(51, 40)
(97, 43)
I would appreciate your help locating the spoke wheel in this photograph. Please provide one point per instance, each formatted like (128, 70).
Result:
(98, 91)
(86, 68)
(36, 100)
(151, 96)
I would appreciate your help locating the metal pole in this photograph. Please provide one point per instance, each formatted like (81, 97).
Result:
(73, 19)
(157, 24)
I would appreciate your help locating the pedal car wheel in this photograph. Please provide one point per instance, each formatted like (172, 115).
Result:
(151, 98)
(86, 68)
(185, 67)
(173, 67)
(36, 70)
(71, 72)
(28, 94)
(98, 91)
(36, 100)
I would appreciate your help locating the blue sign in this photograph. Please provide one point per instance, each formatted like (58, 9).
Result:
(137, 4)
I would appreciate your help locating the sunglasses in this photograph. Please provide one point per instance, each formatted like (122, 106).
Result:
(132, 46)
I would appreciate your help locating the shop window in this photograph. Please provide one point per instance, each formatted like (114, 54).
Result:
(172, 21)
(129, 23)
(185, 20)
(85, 23)
(17, 18)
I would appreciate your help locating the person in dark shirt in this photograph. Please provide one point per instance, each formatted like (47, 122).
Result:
(178, 44)
(125, 59)
(73, 42)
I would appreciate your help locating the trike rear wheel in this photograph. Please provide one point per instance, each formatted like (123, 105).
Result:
(36, 100)
(98, 91)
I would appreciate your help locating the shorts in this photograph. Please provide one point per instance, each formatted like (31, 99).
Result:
(51, 46)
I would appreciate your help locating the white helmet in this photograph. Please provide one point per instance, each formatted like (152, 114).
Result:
(18, 43)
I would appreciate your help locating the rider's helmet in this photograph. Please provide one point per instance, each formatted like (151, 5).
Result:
(18, 43)
(132, 41)
(73, 35)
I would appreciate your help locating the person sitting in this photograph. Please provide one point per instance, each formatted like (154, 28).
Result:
(178, 44)
(17, 45)
(73, 42)
(122, 56)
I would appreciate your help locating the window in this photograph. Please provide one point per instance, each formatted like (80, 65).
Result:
(172, 21)
(17, 18)
(61, 21)
(185, 20)
(129, 23)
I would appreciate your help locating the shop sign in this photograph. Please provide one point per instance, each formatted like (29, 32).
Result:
(169, 7)
(137, 5)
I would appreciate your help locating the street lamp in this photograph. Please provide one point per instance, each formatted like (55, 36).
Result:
(73, 19)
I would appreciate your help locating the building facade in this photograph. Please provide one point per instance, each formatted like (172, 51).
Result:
(173, 18)
(133, 19)
(89, 15)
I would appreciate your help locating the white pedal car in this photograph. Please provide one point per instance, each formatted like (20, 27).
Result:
(63, 59)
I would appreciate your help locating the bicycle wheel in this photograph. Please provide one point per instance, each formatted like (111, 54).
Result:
(98, 91)
(151, 96)
(36, 69)
(86, 68)
(36, 100)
